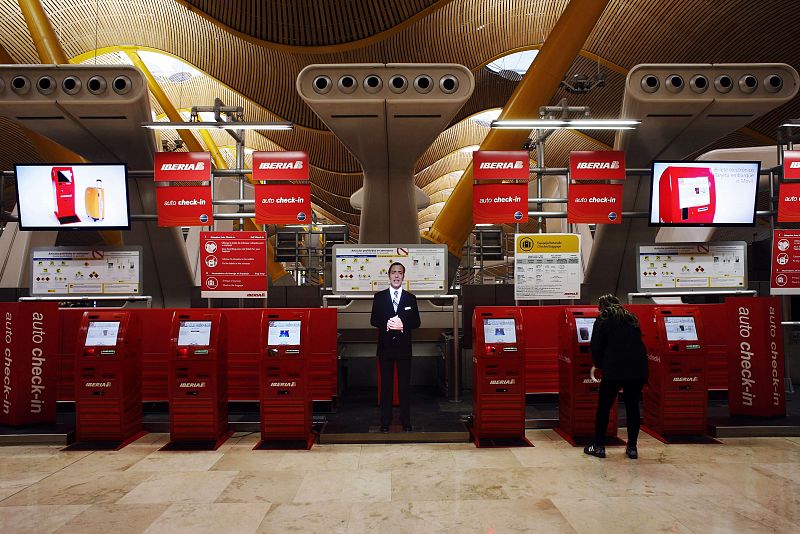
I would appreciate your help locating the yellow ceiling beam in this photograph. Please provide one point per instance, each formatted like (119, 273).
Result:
(44, 36)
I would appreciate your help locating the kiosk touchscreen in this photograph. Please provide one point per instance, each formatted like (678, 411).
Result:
(198, 385)
(286, 404)
(583, 329)
(680, 328)
(108, 397)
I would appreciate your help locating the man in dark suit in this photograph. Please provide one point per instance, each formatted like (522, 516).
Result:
(395, 315)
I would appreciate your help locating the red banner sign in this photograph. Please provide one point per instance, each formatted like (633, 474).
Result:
(500, 165)
(183, 167)
(283, 204)
(280, 166)
(184, 205)
(597, 165)
(500, 203)
(791, 165)
(233, 264)
(785, 276)
(789, 202)
(755, 358)
(595, 203)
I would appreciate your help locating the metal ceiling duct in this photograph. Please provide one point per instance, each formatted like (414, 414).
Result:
(677, 119)
(386, 115)
(93, 110)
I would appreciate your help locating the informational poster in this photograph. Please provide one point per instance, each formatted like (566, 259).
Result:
(283, 203)
(785, 276)
(79, 271)
(233, 264)
(499, 203)
(595, 203)
(547, 266)
(597, 165)
(365, 268)
(693, 266)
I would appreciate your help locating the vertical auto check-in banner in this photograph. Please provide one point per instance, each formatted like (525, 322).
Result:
(595, 203)
(233, 264)
(278, 201)
(500, 203)
(179, 204)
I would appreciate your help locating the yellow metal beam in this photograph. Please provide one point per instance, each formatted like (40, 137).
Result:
(454, 223)
(44, 36)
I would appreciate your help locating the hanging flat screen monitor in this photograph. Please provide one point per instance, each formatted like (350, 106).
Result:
(500, 331)
(704, 193)
(194, 333)
(680, 328)
(584, 326)
(73, 196)
(102, 333)
(284, 333)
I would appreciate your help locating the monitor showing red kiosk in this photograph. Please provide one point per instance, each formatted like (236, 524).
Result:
(704, 193)
(286, 403)
(499, 373)
(108, 396)
(198, 377)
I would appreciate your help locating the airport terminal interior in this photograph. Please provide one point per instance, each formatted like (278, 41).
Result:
(336, 266)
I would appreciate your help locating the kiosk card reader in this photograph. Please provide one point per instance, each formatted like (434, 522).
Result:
(676, 398)
(578, 393)
(63, 179)
(499, 373)
(286, 404)
(687, 195)
(198, 377)
(108, 377)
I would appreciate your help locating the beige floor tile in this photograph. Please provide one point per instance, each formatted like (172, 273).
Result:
(263, 487)
(187, 487)
(789, 472)
(316, 518)
(720, 513)
(470, 457)
(49, 461)
(37, 519)
(618, 514)
(78, 488)
(249, 460)
(322, 457)
(406, 456)
(361, 485)
(455, 485)
(177, 461)
(210, 518)
(116, 518)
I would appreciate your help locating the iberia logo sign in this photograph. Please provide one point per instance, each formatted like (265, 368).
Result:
(500, 165)
(182, 167)
(280, 166)
(597, 165)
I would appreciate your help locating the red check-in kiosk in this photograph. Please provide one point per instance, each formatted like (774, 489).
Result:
(108, 373)
(286, 404)
(676, 398)
(198, 383)
(578, 393)
(63, 179)
(499, 373)
(687, 195)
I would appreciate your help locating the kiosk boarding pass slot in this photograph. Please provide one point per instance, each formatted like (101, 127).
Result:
(194, 337)
(101, 334)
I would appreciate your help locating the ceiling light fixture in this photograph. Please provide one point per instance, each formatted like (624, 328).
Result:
(576, 124)
(218, 125)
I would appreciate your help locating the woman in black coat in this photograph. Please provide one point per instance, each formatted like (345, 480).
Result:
(619, 352)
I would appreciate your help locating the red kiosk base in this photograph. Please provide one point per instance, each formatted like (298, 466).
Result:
(680, 440)
(582, 441)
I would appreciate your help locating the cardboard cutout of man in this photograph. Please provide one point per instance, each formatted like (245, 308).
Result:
(395, 315)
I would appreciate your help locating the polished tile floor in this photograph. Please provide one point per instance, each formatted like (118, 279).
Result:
(742, 485)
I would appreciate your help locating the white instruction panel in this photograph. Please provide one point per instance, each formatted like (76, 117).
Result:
(693, 266)
(365, 268)
(547, 266)
(86, 271)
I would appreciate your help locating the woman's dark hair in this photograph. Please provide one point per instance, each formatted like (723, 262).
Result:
(610, 308)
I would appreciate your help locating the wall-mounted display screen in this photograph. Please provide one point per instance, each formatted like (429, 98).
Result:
(704, 193)
(73, 196)
(283, 333)
(680, 328)
(194, 333)
(102, 333)
(500, 330)
(584, 326)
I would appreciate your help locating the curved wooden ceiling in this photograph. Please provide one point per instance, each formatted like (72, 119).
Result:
(252, 50)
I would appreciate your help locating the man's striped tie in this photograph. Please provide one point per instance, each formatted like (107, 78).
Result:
(395, 301)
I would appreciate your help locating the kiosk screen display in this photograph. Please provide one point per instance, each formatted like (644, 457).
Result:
(584, 326)
(500, 330)
(680, 328)
(284, 333)
(102, 333)
(194, 333)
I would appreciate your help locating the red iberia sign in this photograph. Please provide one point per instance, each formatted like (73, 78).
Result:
(789, 202)
(233, 264)
(184, 206)
(182, 167)
(597, 165)
(595, 203)
(791, 165)
(500, 165)
(283, 204)
(500, 203)
(280, 166)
